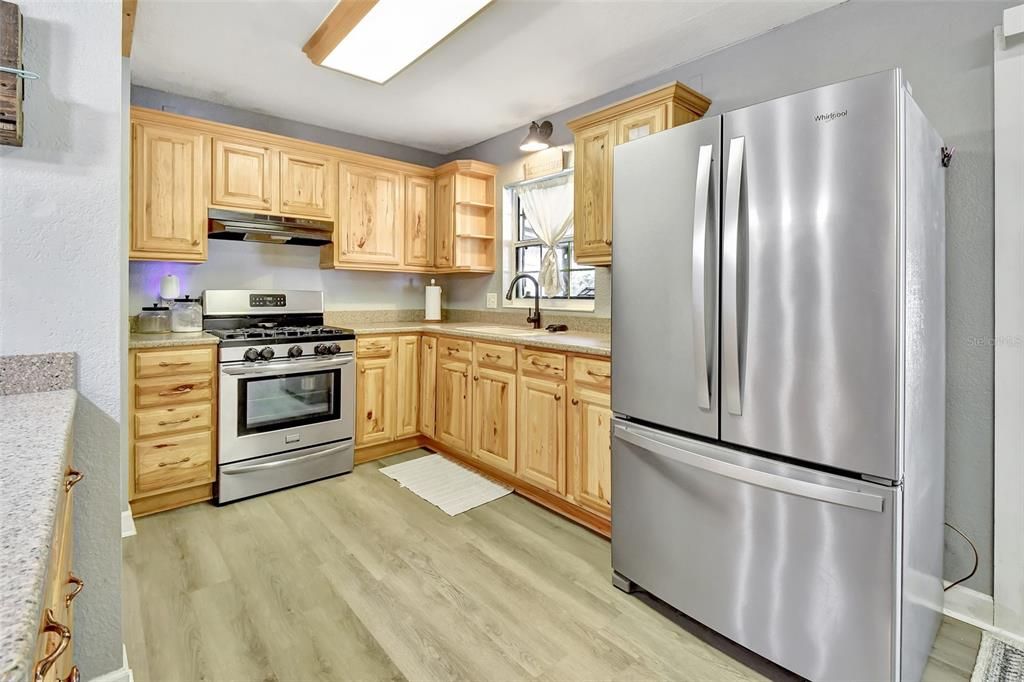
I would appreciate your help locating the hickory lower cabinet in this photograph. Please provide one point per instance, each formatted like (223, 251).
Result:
(172, 427)
(536, 419)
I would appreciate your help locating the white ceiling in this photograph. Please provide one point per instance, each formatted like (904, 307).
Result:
(515, 61)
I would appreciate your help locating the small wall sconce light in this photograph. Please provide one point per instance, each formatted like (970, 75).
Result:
(537, 138)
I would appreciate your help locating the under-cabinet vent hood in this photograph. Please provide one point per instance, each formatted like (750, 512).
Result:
(269, 229)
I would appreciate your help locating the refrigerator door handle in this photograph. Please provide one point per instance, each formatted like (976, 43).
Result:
(730, 278)
(702, 197)
(782, 484)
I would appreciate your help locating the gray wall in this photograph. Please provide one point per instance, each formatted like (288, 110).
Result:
(188, 106)
(61, 275)
(945, 49)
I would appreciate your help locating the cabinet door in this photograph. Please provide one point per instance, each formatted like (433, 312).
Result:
(242, 175)
(428, 384)
(444, 221)
(590, 455)
(641, 124)
(307, 185)
(408, 362)
(540, 457)
(370, 215)
(592, 234)
(168, 204)
(419, 221)
(375, 400)
(494, 418)
(453, 405)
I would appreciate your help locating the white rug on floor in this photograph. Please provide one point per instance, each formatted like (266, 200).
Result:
(998, 661)
(445, 484)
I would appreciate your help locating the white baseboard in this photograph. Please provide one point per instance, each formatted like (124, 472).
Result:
(122, 674)
(974, 608)
(127, 524)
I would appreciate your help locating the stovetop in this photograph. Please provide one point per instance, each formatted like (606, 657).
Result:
(282, 334)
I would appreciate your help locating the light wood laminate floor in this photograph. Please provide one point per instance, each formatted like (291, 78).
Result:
(354, 578)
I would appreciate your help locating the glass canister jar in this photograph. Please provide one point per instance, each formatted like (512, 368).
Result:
(154, 319)
(186, 315)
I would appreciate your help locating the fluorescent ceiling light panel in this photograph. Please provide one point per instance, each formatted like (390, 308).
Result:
(391, 35)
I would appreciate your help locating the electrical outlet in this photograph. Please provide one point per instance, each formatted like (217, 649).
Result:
(492, 300)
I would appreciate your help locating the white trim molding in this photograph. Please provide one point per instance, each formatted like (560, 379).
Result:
(127, 524)
(1008, 506)
(122, 674)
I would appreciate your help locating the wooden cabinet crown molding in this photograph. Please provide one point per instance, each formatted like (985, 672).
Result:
(677, 93)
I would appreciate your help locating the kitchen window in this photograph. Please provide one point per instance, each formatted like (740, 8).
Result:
(575, 282)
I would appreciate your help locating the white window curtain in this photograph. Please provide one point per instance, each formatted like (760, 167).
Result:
(547, 205)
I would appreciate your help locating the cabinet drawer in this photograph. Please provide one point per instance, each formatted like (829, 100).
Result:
(491, 355)
(375, 347)
(588, 372)
(173, 390)
(173, 462)
(542, 363)
(454, 349)
(173, 420)
(174, 362)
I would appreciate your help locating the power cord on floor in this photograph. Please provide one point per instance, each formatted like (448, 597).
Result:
(974, 549)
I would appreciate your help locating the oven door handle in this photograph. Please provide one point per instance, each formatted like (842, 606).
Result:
(286, 462)
(291, 368)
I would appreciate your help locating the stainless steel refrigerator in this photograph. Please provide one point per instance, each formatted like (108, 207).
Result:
(778, 326)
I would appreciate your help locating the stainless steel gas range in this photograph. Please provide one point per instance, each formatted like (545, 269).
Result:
(287, 391)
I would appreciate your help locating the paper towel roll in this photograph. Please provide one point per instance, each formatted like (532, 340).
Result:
(432, 305)
(170, 288)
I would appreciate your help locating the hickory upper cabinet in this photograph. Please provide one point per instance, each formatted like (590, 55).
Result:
(168, 214)
(419, 221)
(370, 221)
(307, 185)
(242, 175)
(596, 134)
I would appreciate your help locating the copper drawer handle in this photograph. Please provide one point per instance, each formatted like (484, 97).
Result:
(174, 364)
(489, 355)
(170, 464)
(536, 363)
(179, 390)
(44, 664)
(598, 374)
(175, 421)
(73, 477)
(79, 586)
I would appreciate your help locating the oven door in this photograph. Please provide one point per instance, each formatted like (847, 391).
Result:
(270, 408)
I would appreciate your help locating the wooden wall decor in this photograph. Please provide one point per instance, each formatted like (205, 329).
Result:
(11, 86)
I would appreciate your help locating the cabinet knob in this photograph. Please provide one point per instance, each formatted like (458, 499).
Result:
(476, 378)
(362, 370)
(607, 242)
(574, 401)
(195, 242)
(558, 397)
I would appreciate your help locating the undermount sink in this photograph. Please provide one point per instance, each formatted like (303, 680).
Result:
(502, 331)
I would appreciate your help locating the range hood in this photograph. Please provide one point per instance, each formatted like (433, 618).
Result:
(268, 229)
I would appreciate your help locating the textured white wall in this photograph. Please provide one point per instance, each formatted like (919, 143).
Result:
(60, 273)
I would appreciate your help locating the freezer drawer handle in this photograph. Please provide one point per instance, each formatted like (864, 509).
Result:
(730, 278)
(285, 462)
(702, 198)
(782, 484)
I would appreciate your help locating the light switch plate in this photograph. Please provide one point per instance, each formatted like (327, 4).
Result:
(492, 300)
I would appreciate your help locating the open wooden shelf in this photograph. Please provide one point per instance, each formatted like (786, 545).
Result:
(474, 204)
(474, 236)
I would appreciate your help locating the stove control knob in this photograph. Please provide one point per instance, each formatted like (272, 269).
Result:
(295, 351)
(322, 349)
(335, 349)
(251, 355)
(267, 353)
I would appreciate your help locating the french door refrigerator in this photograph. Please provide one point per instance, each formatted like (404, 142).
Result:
(778, 325)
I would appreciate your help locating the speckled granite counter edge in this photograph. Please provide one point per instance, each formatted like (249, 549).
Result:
(35, 439)
(35, 373)
(599, 345)
(171, 340)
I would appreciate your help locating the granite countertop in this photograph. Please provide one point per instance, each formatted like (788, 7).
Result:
(136, 340)
(569, 342)
(35, 437)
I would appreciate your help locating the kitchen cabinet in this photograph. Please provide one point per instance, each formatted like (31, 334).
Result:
(168, 214)
(444, 220)
(243, 175)
(596, 134)
(428, 384)
(376, 388)
(419, 221)
(307, 185)
(370, 216)
(494, 406)
(541, 438)
(465, 231)
(172, 427)
(589, 435)
(454, 400)
(408, 386)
